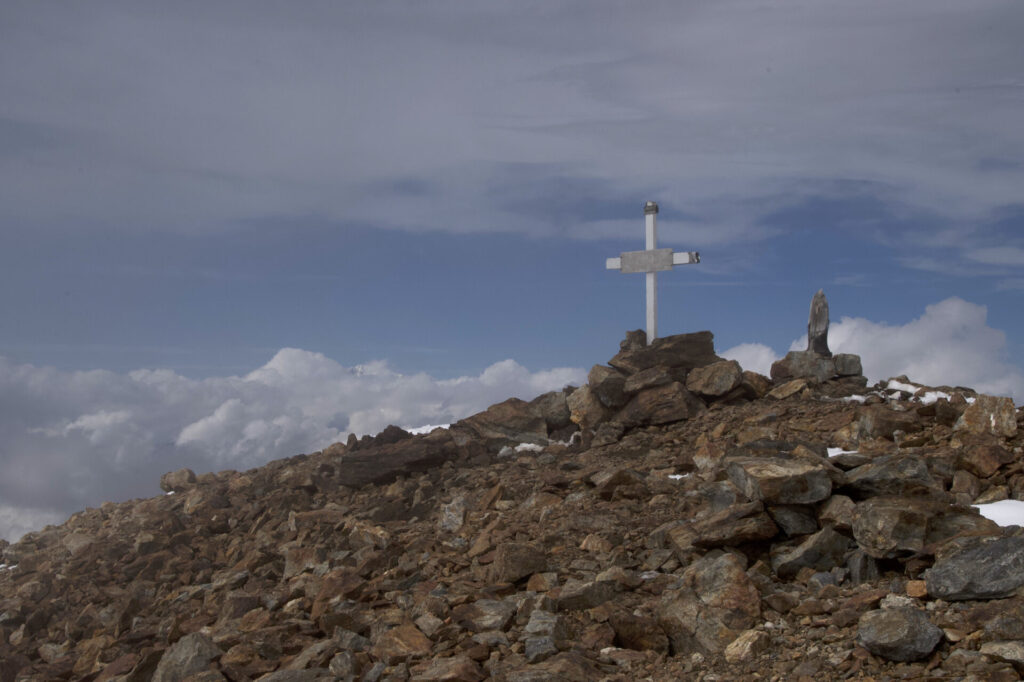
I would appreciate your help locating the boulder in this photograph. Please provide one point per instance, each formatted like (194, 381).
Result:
(781, 480)
(886, 527)
(900, 634)
(640, 633)
(715, 380)
(803, 364)
(177, 481)
(554, 408)
(848, 365)
(577, 595)
(585, 409)
(660, 405)
(747, 646)
(879, 421)
(191, 654)
(817, 325)
(821, 551)
(484, 615)
(684, 351)
(989, 414)
(650, 378)
(892, 475)
(385, 463)
(716, 602)
(608, 384)
(986, 569)
(514, 561)
(510, 422)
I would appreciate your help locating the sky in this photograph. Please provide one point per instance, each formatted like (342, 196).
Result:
(235, 231)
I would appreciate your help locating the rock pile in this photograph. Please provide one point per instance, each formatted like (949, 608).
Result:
(705, 523)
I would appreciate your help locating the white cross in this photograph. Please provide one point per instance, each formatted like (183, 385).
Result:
(650, 261)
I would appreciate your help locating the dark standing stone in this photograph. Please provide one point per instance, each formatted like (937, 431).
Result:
(817, 326)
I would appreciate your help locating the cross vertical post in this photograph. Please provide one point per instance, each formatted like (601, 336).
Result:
(651, 228)
(650, 261)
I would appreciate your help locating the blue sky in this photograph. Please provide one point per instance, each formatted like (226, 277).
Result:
(233, 231)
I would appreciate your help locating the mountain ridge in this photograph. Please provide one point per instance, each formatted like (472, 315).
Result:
(675, 517)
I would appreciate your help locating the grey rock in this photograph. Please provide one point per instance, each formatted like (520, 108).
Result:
(509, 422)
(537, 649)
(578, 594)
(608, 384)
(817, 325)
(385, 463)
(901, 634)
(822, 551)
(800, 364)
(554, 408)
(177, 481)
(191, 654)
(484, 614)
(848, 365)
(893, 475)
(794, 519)
(989, 414)
(781, 480)
(887, 527)
(988, 569)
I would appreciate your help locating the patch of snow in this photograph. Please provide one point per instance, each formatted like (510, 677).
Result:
(899, 386)
(1004, 512)
(855, 399)
(529, 447)
(649, 575)
(933, 396)
(8, 567)
(835, 452)
(420, 430)
(676, 477)
(970, 401)
(169, 492)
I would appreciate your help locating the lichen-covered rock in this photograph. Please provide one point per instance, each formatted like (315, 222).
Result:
(991, 568)
(901, 634)
(781, 480)
(715, 380)
(714, 605)
(989, 414)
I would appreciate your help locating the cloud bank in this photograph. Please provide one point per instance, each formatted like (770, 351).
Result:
(472, 117)
(74, 439)
(950, 344)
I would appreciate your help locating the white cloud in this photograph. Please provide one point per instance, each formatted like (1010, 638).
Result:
(756, 357)
(998, 255)
(75, 439)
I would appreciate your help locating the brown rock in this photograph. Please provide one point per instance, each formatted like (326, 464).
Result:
(641, 633)
(385, 463)
(401, 643)
(715, 380)
(879, 421)
(781, 480)
(507, 423)
(989, 414)
(514, 561)
(682, 350)
(660, 405)
(177, 481)
(454, 669)
(585, 409)
(716, 603)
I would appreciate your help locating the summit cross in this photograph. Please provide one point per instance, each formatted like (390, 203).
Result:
(651, 261)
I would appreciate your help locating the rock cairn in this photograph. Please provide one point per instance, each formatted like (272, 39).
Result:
(674, 518)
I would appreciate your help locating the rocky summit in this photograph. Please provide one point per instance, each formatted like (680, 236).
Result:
(675, 518)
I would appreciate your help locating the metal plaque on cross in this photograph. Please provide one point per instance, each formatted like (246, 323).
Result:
(651, 261)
